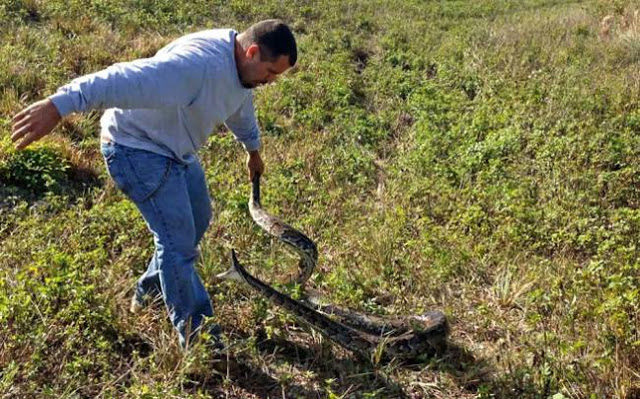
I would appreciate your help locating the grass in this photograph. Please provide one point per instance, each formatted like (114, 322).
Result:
(475, 157)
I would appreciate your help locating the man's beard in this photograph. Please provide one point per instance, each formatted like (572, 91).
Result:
(248, 85)
(251, 85)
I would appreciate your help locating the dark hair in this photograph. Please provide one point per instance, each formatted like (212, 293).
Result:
(274, 39)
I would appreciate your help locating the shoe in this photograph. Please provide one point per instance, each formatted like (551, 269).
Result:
(215, 339)
(210, 337)
(136, 304)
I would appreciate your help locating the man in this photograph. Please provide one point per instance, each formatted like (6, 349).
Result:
(160, 110)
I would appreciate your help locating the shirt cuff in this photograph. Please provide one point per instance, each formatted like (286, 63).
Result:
(63, 102)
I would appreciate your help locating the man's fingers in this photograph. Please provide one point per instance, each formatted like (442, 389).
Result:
(20, 115)
(28, 139)
(17, 124)
(17, 134)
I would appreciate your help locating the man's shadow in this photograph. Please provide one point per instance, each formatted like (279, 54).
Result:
(342, 369)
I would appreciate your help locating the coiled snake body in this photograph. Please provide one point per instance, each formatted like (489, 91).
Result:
(400, 337)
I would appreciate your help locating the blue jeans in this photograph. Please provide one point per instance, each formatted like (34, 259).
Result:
(174, 201)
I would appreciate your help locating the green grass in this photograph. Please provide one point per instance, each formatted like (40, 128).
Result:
(476, 157)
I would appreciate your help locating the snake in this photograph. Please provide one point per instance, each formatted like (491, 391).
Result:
(368, 336)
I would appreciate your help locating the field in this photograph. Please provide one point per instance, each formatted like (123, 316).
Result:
(477, 157)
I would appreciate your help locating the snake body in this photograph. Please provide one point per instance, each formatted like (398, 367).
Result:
(296, 240)
(401, 337)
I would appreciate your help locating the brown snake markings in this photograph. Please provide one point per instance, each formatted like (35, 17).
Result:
(402, 338)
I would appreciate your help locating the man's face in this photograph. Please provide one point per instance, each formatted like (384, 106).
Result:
(255, 72)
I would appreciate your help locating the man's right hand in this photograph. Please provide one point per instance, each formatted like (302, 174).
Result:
(34, 122)
(254, 164)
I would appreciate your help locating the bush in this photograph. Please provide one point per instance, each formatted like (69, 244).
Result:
(38, 169)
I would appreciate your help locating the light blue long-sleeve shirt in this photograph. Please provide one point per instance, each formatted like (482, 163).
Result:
(170, 103)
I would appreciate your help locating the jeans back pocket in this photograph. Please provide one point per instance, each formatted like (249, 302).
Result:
(137, 173)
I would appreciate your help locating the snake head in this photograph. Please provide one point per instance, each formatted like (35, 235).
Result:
(232, 273)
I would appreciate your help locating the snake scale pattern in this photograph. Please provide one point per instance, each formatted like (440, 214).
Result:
(401, 338)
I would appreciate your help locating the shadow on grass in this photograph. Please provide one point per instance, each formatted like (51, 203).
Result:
(243, 378)
(74, 184)
(312, 371)
(463, 367)
(348, 374)
(347, 371)
(12, 193)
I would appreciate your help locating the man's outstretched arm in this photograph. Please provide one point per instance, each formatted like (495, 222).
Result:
(163, 81)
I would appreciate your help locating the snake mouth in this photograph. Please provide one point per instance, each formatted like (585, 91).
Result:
(232, 273)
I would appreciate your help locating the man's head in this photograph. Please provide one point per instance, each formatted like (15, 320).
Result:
(264, 51)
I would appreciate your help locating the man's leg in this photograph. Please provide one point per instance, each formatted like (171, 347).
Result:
(148, 287)
(199, 197)
(202, 215)
(158, 187)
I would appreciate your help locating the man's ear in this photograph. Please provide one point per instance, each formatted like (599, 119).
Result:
(252, 51)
